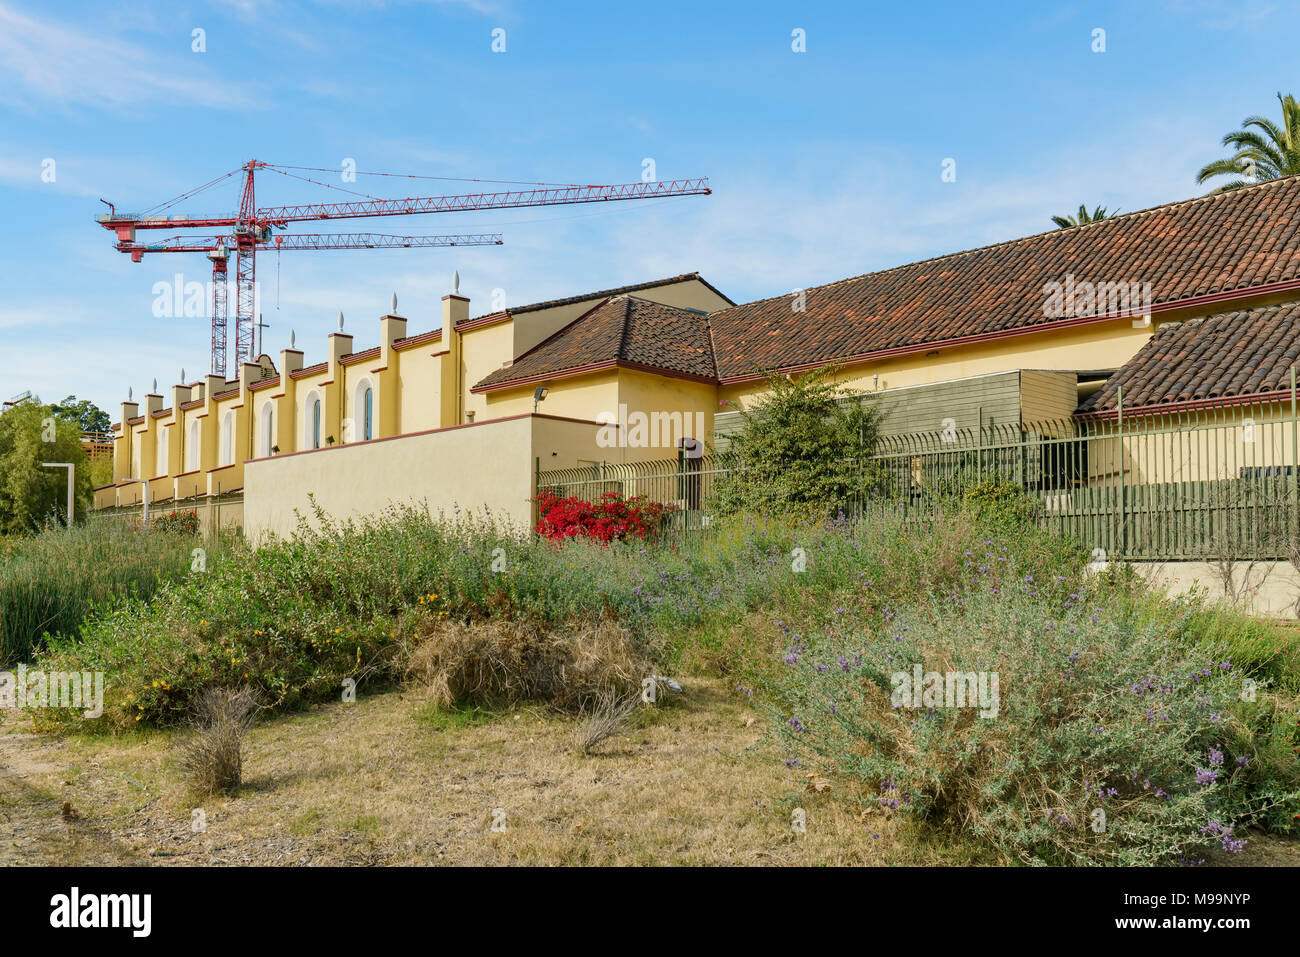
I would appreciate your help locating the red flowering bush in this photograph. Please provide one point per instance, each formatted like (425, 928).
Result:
(611, 519)
(187, 522)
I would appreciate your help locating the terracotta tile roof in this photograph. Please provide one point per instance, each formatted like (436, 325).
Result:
(623, 329)
(1228, 354)
(603, 294)
(1229, 241)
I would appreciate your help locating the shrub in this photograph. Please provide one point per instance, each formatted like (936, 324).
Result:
(1113, 740)
(213, 759)
(174, 521)
(30, 495)
(612, 519)
(1000, 503)
(505, 662)
(805, 448)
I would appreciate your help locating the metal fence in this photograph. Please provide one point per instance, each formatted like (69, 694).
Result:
(1210, 484)
(214, 512)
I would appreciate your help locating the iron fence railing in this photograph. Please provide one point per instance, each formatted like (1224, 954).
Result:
(1211, 484)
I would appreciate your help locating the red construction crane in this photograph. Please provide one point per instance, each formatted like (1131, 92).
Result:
(218, 249)
(251, 230)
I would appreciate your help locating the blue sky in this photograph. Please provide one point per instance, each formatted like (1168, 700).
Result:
(825, 164)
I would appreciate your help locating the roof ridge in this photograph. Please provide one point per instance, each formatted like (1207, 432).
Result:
(1269, 183)
(627, 321)
(598, 294)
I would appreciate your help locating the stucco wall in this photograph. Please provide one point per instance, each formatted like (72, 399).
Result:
(1271, 589)
(489, 465)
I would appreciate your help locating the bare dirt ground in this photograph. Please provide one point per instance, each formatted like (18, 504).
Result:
(388, 780)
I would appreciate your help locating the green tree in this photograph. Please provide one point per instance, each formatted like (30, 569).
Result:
(89, 417)
(1083, 216)
(31, 433)
(1264, 150)
(805, 447)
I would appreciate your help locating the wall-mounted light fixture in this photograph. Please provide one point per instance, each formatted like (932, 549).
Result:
(539, 394)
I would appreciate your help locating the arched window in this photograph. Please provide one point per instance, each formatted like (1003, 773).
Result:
(363, 411)
(192, 452)
(268, 427)
(228, 438)
(312, 425)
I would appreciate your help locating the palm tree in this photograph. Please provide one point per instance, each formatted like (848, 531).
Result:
(1083, 216)
(1266, 152)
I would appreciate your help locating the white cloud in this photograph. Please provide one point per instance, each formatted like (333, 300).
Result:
(52, 62)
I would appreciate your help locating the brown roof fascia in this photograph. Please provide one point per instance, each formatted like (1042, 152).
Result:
(309, 370)
(410, 342)
(354, 357)
(593, 367)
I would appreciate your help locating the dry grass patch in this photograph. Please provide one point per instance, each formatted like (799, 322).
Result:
(378, 782)
(508, 662)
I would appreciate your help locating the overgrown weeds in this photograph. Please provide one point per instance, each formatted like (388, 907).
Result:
(213, 758)
(49, 582)
(606, 716)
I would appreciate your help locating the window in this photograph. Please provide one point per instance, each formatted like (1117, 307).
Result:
(228, 438)
(192, 452)
(311, 421)
(268, 427)
(361, 427)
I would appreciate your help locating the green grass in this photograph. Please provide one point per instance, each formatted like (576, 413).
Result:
(51, 581)
(455, 719)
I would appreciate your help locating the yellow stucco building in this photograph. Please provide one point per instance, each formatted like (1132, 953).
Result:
(1185, 307)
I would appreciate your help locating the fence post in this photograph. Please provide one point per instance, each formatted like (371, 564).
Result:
(537, 489)
(1120, 532)
(1295, 464)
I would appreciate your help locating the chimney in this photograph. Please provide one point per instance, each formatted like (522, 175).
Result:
(455, 309)
(290, 361)
(391, 328)
(249, 372)
(340, 345)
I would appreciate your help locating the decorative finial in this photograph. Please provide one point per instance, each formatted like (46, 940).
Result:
(340, 320)
(130, 394)
(291, 338)
(155, 386)
(455, 283)
(182, 375)
(392, 306)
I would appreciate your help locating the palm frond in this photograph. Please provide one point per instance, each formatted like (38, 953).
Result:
(1264, 150)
